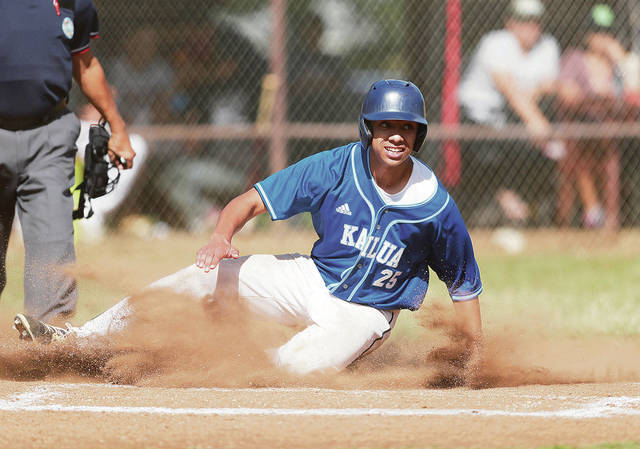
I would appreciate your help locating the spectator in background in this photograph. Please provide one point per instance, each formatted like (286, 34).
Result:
(595, 80)
(510, 72)
(191, 60)
(218, 76)
(316, 80)
(142, 77)
(235, 78)
(218, 81)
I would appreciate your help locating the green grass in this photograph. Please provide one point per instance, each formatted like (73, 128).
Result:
(571, 292)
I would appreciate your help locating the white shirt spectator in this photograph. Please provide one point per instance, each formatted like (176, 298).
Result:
(500, 52)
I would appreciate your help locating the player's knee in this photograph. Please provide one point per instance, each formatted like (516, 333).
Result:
(332, 347)
(302, 359)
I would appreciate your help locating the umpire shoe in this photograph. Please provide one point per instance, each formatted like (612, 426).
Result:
(31, 329)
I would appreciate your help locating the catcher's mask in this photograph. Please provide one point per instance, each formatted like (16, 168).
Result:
(393, 100)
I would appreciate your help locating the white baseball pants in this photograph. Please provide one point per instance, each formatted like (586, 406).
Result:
(287, 289)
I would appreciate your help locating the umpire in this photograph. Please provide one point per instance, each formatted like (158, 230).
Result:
(43, 44)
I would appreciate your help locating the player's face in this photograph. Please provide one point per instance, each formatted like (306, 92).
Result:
(393, 141)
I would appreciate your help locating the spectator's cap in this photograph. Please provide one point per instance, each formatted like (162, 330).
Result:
(601, 19)
(526, 10)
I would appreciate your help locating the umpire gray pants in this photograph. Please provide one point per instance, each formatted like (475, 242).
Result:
(37, 168)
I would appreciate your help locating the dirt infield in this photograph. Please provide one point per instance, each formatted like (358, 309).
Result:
(47, 414)
(209, 383)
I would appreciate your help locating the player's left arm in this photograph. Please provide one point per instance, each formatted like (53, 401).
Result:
(454, 262)
(469, 322)
(88, 73)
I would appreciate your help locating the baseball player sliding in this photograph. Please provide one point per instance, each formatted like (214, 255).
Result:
(382, 220)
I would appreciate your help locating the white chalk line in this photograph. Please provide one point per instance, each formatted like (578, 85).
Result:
(607, 407)
(569, 413)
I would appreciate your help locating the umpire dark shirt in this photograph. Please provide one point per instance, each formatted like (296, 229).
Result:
(37, 39)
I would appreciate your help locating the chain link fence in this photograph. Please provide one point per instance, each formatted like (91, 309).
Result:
(223, 93)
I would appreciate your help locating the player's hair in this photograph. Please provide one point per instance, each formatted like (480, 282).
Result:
(393, 100)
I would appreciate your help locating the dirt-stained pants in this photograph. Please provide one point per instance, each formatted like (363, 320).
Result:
(287, 289)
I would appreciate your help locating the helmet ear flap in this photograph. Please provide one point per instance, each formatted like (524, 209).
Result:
(366, 136)
(420, 137)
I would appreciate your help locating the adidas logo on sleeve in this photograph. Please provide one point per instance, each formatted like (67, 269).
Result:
(344, 209)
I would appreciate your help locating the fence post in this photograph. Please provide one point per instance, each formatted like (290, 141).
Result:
(450, 116)
(278, 63)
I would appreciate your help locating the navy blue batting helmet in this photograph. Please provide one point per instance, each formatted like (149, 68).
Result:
(393, 100)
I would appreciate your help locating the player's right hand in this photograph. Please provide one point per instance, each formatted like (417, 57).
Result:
(217, 248)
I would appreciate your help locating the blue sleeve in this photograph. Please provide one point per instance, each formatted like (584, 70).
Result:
(85, 25)
(452, 257)
(301, 187)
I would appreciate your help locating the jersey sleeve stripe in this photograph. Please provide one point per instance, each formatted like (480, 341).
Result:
(467, 297)
(265, 200)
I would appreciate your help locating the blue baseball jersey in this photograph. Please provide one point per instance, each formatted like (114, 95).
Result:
(370, 252)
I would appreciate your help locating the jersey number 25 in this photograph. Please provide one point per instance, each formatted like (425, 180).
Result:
(388, 279)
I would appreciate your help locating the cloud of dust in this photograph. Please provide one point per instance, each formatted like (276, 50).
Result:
(170, 342)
